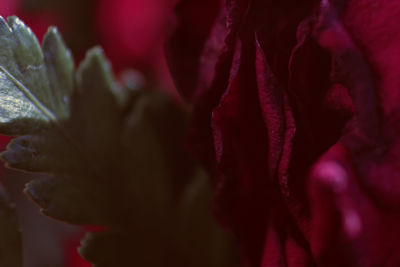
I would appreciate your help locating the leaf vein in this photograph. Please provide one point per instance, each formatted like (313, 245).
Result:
(30, 96)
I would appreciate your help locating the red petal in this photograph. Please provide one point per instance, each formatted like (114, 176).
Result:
(194, 22)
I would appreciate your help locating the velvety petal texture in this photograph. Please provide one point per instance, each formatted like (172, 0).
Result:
(296, 116)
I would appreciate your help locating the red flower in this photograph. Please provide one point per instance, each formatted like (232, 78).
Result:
(296, 116)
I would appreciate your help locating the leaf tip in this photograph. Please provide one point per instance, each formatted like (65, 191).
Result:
(52, 34)
(14, 22)
(97, 57)
(4, 25)
(32, 191)
(9, 159)
(96, 63)
(53, 30)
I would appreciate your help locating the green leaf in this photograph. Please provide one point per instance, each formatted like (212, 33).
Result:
(59, 68)
(145, 160)
(59, 199)
(83, 148)
(29, 79)
(95, 119)
(201, 240)
(62, 116)
(113, 157)
(189, 237)
(115, 248)
(10, 241)
(46, 149)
